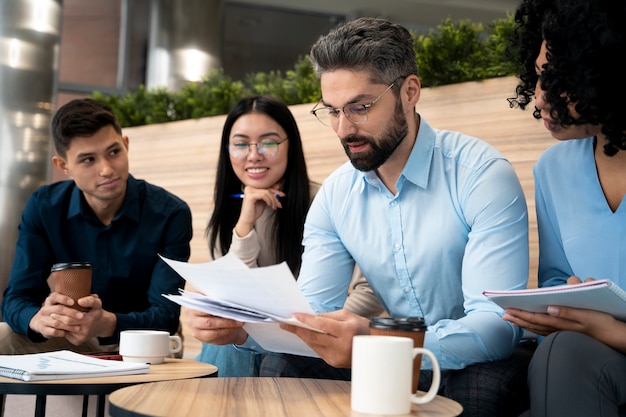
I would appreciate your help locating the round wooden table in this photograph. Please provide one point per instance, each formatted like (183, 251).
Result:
(244, 397)
(171, 369)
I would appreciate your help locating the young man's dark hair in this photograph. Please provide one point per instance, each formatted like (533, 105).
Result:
(82, 117)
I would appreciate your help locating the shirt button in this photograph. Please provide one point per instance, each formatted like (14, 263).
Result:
(396, 247)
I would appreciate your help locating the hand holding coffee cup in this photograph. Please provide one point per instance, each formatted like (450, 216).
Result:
(72, 279)
(148, 346)
(381, 375)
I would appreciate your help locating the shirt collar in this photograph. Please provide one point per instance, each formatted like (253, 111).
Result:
(417, 168)
(130, 208)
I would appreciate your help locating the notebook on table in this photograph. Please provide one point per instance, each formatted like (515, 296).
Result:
(64, 364)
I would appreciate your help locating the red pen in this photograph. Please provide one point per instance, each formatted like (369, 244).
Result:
(113, 356)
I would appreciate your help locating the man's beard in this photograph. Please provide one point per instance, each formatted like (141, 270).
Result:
(380, 150)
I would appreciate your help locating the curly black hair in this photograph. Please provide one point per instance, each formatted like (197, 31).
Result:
(585, 42)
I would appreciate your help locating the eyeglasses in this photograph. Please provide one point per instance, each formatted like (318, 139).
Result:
(268, 148)
(356, 113)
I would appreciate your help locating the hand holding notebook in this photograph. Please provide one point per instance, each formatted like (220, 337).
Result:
(601, 295)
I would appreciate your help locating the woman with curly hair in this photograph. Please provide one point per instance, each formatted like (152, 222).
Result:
(568, 50)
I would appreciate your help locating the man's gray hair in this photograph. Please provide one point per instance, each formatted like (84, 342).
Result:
(378, 46)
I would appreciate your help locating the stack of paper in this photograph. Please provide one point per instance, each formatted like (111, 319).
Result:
(260, 297)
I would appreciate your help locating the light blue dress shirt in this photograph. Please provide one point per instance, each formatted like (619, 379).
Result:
(579, 234)
(457, 226)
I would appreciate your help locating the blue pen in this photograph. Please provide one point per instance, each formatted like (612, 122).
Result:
(241, 195)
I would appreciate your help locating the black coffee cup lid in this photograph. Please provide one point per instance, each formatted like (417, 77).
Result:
(395, 323)
(70, 265)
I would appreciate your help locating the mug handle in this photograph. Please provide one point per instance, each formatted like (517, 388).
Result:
(434, 386)
(178, 344)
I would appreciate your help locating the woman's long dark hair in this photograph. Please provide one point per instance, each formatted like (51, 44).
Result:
(289, 223)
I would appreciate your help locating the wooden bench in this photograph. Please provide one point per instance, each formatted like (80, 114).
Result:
(182, 156)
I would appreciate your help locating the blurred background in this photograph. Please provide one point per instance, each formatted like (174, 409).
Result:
(52, 51)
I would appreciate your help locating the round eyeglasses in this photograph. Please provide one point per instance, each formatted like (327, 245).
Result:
(267, 147)
(356, 113)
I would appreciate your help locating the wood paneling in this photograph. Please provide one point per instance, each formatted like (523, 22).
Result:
(182, 156)
(89, 42)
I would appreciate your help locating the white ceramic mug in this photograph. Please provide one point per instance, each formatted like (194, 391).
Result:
(382, 368)
(148, 346)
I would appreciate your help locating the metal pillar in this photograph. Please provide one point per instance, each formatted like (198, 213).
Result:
(29, 44)
(184, 42)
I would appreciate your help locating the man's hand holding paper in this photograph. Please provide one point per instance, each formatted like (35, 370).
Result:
(231, 296)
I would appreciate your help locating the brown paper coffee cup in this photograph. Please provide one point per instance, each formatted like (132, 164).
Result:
(412, 327)
(72, 279)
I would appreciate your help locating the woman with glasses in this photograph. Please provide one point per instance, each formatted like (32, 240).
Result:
(262, 195)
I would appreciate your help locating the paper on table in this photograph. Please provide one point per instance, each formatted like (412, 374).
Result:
(260, 297)
(64, 364)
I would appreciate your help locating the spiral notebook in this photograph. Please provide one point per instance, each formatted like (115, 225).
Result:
(64, 364)
(601, 295)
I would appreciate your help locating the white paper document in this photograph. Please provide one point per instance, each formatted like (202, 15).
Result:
(260, 297)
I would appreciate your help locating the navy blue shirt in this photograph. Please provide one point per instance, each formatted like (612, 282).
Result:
(59, 226)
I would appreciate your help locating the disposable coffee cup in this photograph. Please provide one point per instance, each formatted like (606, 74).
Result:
(411, 327)
(72, 279)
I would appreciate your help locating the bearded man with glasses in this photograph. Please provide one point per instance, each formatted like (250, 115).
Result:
(432, 217)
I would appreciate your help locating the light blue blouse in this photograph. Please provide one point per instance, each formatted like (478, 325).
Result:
(457, 226)
(579, 234)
